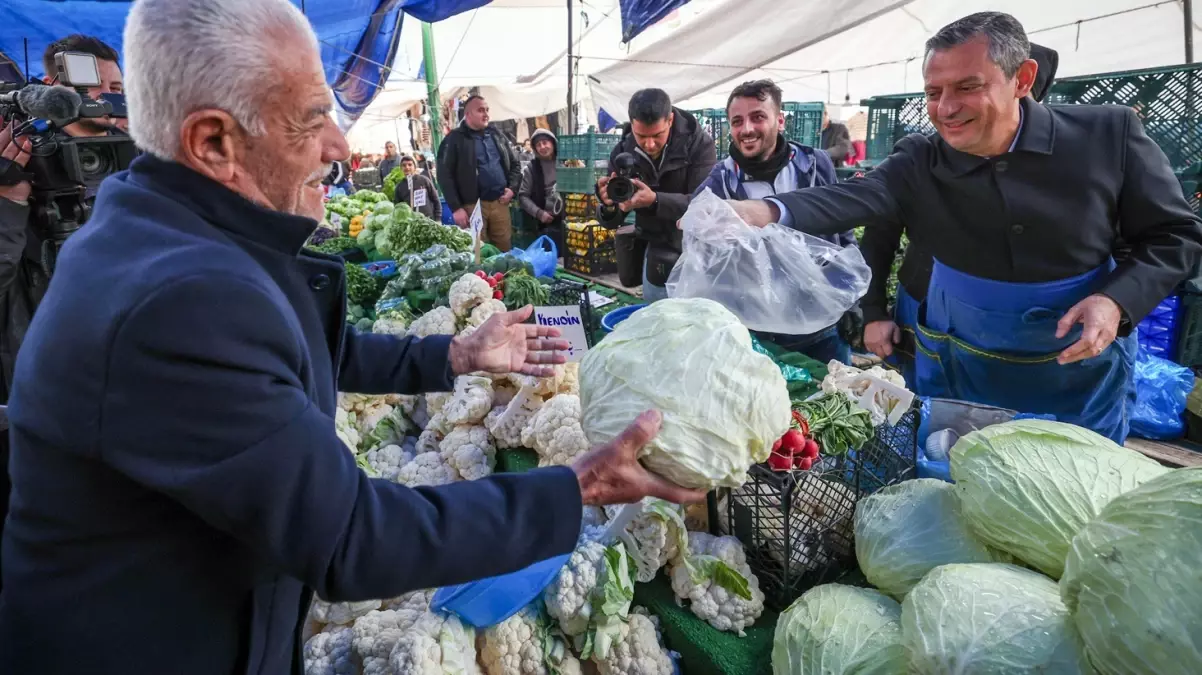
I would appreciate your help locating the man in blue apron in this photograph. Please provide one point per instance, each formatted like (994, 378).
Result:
(1021, 207)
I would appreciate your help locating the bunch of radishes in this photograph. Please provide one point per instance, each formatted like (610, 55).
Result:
(794, 450)
(494, 282)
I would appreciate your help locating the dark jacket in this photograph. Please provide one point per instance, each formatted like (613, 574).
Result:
(387, 165)
(178, 485)
(457, 166)
(432, 209)
(1080, 178)
(836, 141)
(23, 282)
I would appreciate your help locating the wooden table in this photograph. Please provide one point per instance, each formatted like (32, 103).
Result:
(1176, 454)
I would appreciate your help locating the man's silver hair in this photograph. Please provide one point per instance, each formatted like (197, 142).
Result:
(186, 55)
(1008, 43)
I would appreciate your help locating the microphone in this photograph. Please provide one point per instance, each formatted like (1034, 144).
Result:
(58, 105)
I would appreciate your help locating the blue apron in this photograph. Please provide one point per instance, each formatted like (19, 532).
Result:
(994, 342)
(905, 315)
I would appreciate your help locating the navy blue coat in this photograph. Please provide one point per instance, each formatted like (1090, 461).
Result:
(178, 488)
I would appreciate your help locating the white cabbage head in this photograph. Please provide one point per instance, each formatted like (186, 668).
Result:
(839, 629)
(723, 404)
(1027, 487)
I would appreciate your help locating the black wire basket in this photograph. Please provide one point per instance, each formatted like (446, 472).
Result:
(566, 292)
(797, 525)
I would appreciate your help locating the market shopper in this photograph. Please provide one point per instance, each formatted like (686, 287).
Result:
(538, 195)
(764, 162)
(475, 162)
(391, 160)
(1021, 207)
(417, 191)
(890, 333)
(179, 488)
(835, 140)
(673, 155)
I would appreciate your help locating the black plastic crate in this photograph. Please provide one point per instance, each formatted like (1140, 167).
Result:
(567, 292)
(797, 526)
(589, 249)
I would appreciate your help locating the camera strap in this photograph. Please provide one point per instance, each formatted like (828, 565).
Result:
(12, 173)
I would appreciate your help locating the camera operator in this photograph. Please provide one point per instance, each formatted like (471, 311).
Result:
(107, 63)
(668, 155)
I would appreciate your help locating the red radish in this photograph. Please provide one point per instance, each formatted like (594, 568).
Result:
(776, 445)
(492, 283)
(481, 274)
(803, 463)
(497, 295)
(811, 449)
(498, 277)
(779, 462)
(793, 441)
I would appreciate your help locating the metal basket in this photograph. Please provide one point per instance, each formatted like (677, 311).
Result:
(567, 292)
(797, 526)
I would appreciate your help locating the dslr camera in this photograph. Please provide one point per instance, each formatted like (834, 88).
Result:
(63, 170)
(620, 188)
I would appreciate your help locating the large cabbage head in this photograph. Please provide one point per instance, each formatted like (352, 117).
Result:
(1027, 487)
(990, 618)
(1133, 579)
(839, 629)
(908, 529)
(723, 404)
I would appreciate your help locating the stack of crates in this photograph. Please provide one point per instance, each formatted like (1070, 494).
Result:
(588, 247)
(1169, 103)
(803, 124)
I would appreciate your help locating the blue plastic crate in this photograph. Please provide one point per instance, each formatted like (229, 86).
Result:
(1159, 331)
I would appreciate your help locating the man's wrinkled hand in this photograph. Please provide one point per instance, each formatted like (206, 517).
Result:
(503, 344)
(881, 336)
(1099, 317)
(612, 474)
(460, 216)
(755, 212)
(15, 150)
(642, 198)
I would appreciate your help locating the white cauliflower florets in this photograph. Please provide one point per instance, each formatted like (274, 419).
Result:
(654, 536)
(388, 460)
(340, 613)
(435, 646)
(438, 321)
(469, 451)
(485, 310)
(330, 653)
(344, 427)
(427, 468)
(712, 603)
(435, 430)
(524, 644)
(637, 651)
(375, 634)
(506, 423)
(555, 432)
(467, 292)
(392, 326)
(570, 382)
(470, 402)
(567, 597)
(437, 400)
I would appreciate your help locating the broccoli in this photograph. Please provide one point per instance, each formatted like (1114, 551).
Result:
(361, 286)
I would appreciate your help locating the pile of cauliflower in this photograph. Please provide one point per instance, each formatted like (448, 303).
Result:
(584, 622)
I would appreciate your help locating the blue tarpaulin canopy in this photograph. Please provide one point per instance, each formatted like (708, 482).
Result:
(358, 37)
(637, 15)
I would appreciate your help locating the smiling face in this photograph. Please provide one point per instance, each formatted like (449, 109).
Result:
(544, 148)
(755, 125)
(970, 100)
(408, 166)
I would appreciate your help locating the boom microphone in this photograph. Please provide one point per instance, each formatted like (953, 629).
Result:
(58, 105)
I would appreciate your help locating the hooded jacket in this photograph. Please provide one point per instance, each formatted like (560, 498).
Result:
(533, 195)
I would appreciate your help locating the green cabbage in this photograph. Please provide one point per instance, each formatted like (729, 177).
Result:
(908, 529)
(723, 404)
(1027, 487)
(990, 618)
(1133, 579)
(839, 630)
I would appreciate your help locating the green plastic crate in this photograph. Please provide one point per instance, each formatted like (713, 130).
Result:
(582, 181)
(593, 149)
(715, 124)
(803, 122)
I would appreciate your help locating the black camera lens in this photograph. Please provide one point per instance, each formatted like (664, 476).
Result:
(620, 189)
(93, 164)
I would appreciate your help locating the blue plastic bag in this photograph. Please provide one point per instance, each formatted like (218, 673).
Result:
(1161, 388)
(542, 255)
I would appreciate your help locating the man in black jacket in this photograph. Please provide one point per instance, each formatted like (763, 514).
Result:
(1021, 207)
(673, 156)
(835, 140)
(475, 162)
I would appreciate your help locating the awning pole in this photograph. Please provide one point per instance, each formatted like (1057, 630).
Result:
(571, 118)
(433, 101)
(1188, 7)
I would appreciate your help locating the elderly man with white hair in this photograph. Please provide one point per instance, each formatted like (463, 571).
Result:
(179, 492)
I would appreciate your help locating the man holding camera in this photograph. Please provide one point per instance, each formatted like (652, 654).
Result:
(663, 156)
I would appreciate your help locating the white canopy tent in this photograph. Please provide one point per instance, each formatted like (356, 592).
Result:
(514, 50)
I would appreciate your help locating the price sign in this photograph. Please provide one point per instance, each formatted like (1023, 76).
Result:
(567, 319)
(419, 198)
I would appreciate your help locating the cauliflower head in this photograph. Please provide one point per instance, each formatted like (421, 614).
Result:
(438, 321)
(330, 653)
(344, 427)
(390, 326)
(506, 423)
(592, 595)
(470, 402)
(467, 292)
(428, 468)
(525, 644)
(655, 536)
(715, 578)
(340, 613)
(435, 645)
(387, 461)
(485, 310)
(375, 634)
(555, 432)
(639, 650)
(469, 451)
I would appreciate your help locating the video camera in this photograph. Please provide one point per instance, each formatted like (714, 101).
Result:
(620, 188)
(64, 171)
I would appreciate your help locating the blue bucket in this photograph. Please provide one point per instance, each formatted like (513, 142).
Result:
(490, 601)
(611, 320)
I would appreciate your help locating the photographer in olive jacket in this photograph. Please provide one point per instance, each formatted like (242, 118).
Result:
(672, 156)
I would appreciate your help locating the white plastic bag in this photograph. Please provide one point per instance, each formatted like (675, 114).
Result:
(775, 279)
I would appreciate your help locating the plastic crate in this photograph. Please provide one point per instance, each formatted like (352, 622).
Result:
(797, 526)
(714, 122)
(592, 149)
(891, 118)
(578, 180)
(568, 292)
(580, 206)
(589, 249)
(803, 122)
